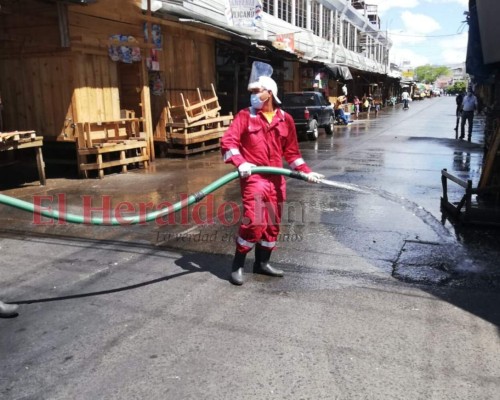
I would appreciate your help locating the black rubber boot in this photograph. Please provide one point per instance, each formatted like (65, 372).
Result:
(8, 310)
(237, 268)
(262, 265)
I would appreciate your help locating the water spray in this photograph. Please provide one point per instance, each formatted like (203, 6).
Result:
(341, 185)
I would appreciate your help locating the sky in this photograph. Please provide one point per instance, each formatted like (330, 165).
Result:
(425, 31)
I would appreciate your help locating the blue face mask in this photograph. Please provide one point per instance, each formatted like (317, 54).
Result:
(256, 102)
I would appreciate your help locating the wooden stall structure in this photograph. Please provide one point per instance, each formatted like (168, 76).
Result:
(190, 103)
(56, 73)
(57, 69)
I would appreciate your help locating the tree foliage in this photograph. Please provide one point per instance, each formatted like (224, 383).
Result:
(429, 73)
(457, 87)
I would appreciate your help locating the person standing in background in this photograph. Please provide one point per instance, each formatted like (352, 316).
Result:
(405, 96)
(356, 105)
(459, 99)
(367, 103)
(339, 110)
(469, 105)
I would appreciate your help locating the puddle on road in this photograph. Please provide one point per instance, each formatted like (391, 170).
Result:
(433, 263)
(423, 262)
(444, 262)
(418, 211)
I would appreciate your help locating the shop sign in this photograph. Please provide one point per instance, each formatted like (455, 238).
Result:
(243, 13)
(285, 41)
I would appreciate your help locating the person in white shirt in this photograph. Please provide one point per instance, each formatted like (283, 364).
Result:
(405, 97)
(469, 105)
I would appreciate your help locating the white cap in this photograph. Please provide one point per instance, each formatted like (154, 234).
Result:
(266, 83)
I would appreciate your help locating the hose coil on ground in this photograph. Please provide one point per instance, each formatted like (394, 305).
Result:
(192, 199)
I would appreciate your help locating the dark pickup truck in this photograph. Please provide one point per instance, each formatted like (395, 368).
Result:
(310, 111)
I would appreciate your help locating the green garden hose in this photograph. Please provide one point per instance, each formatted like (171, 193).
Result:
(192, 199)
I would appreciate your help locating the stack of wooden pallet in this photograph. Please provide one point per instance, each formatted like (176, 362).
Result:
(195, 128)
(17, 137)
(107, 144)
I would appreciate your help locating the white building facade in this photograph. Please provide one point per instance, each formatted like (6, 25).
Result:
(340, 32)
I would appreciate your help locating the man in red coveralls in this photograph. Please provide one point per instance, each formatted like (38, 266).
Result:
(262, 135)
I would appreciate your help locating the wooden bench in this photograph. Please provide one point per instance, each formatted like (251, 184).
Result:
(107, 144)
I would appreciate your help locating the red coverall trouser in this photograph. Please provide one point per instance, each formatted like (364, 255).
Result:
(263, 197)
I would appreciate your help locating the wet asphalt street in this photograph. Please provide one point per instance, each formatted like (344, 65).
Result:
(383, 297)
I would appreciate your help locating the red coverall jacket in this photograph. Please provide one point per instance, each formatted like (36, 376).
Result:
(251, 138)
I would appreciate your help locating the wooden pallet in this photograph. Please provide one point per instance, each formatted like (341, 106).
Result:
(189, 113)
(194, 138)
(193, 128)
(107, 144)
(201, 146)
(207, 126)
(198, 137)
(16, 136)
(89, 134)
(112, 155)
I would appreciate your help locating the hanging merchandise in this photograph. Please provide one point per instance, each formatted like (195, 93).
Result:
(156, 84)
(126, 52)
(156, 36)
(152, 62)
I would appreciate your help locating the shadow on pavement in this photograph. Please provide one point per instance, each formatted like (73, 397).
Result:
(109, 291)
(483, 304)
(200, 262)
(189, 262)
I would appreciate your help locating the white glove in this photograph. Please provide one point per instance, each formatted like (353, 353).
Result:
(245, 169)
(314, 177)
